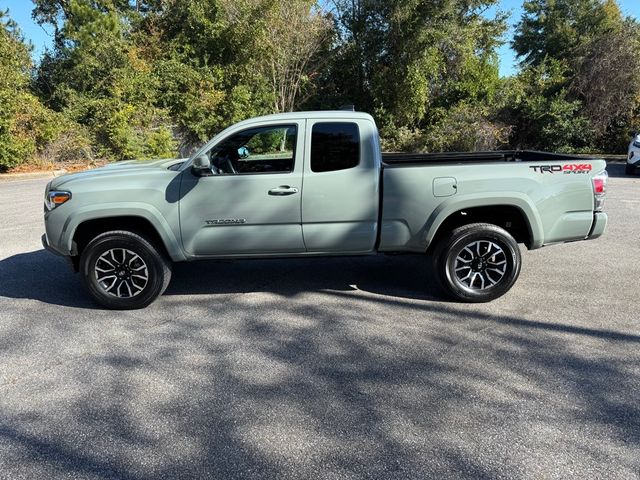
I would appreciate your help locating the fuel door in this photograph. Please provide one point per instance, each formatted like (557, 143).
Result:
(444, 186)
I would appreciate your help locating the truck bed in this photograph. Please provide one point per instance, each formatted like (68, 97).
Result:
(402, 159)
(558, 203)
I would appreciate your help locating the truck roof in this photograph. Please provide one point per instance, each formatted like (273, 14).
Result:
(319, 114)
(289, 116)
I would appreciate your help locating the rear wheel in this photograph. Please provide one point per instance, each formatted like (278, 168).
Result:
(477, 263)
(123, 270)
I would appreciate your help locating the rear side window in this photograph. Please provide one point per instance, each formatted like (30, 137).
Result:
(334, 146)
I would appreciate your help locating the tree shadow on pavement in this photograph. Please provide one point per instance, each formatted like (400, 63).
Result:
(331, 388)
(345, 368)
(41, 276)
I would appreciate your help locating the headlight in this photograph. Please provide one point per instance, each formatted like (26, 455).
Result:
(55, 198)
(636, 144)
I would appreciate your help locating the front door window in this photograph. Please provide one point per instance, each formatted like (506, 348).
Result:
(259, 150)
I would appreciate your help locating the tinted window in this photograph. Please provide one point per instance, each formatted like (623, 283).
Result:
(258, 150)
(334, 146)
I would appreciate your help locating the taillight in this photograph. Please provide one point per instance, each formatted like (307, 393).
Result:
(599, 190)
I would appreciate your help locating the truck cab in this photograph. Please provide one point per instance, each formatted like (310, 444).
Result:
(284, 185)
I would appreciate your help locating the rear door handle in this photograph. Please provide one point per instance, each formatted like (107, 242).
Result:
(283, 190)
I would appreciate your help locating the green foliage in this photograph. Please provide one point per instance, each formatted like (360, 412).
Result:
(152, 78)
(27, 127)
(100, 79)
(15, 146)
(558, 28)
(543, 115)
(579, 86)
(423, 68)
(563, 128)
(468, 127)
(160, 143)
(464, 127)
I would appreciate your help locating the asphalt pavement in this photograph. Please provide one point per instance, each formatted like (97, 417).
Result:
(323, 368)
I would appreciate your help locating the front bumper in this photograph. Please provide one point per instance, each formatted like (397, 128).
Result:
(48, 247)
(599, 225)
(73, 261)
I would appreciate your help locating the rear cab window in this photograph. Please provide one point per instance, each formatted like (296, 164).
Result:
(334, 146)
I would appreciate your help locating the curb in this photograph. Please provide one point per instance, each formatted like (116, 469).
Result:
(12, 177)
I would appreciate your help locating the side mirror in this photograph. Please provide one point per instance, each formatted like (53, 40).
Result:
(201, 165)
(243, 152)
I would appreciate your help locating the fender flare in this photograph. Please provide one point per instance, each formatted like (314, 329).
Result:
(127, 209)
(508, 199)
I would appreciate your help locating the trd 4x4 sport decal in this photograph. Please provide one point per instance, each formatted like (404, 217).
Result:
(567, 168)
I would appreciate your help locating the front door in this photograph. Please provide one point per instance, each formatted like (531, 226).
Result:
(251, 202)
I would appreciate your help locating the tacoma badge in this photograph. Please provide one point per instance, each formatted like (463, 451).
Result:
(225, 221)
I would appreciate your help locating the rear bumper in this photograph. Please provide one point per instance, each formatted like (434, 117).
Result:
(599, 225)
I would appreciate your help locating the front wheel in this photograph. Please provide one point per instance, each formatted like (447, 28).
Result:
(124, 271)
(477, 263)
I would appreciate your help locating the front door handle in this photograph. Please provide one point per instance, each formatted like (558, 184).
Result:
(283, 190)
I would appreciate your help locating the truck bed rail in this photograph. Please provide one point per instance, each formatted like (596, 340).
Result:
(399, 159)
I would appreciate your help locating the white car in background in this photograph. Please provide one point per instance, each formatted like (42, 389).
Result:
(633, 159)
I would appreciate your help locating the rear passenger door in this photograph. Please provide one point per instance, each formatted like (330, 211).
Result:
(340, 195)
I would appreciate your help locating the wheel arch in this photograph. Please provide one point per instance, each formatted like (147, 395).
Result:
(516, 215)
(84, 226)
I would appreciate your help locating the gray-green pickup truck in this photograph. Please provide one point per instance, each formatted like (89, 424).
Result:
(317, 184)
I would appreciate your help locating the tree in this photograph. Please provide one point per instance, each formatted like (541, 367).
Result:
(411, 63)
(144, 76)
(559, 28)
(543, 115)
(99, 78)
(26, 126)
(606, 78)
(596, 49)
(202, 59)
(288, 50)
(14, 77)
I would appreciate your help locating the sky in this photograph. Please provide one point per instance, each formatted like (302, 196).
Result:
(41, 38)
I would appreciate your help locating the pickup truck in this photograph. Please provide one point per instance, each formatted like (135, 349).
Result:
(317, 184)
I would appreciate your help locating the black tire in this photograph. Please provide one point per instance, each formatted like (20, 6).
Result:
(127, 247)
(629, 169)
(455, 251)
